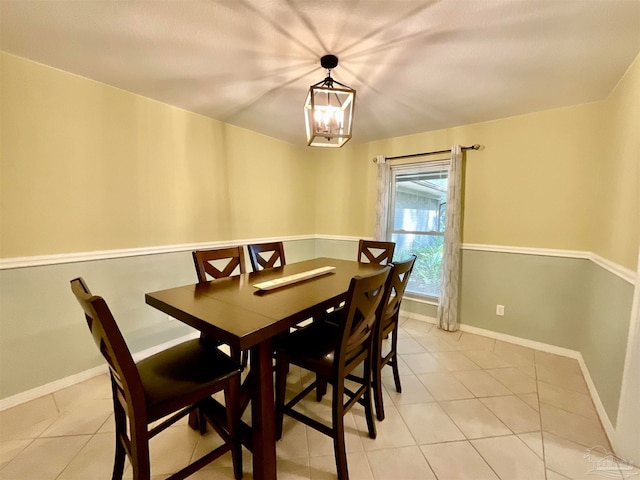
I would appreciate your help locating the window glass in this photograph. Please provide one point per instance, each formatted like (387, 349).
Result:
(417, 220)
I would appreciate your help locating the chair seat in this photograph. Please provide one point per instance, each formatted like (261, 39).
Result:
(312, 347)
(174, 376)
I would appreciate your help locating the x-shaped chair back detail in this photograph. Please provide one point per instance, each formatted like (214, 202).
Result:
(370, 251)
(266, 255)
(212, 262)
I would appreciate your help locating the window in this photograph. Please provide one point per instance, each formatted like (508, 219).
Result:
(418, 195)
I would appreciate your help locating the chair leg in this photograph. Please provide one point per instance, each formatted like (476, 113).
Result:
(338, 431)
(233, 423)
(245, 358)
(121, 430)
(394, 361)
(368, 406)
(321, 388)
(377, 386)
(282, 367)
(118, 462)
(140, 456)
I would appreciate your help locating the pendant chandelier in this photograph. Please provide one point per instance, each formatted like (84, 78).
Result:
(328, 110)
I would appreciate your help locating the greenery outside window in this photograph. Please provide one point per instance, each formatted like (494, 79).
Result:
(418, 194)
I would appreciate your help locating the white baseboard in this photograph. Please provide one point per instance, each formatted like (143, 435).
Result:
(544, 347)
(71, 380)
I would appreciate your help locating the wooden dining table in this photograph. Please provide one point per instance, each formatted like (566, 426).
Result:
(235, 312)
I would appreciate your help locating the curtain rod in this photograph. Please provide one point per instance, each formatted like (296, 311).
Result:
(471, 147)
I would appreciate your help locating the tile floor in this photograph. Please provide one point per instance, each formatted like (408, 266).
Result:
(471, 408)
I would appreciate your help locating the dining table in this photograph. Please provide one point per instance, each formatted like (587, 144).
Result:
(247, 312)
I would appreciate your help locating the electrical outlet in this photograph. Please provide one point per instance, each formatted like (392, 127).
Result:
(500, 310)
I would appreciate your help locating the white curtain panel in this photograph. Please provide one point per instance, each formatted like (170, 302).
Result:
(450, 276)
(382, 200)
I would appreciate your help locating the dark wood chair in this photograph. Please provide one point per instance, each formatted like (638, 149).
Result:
(266, 255)
(388, 313)
(168, 384)
(370, 251)
(219, 263)
(332, 350)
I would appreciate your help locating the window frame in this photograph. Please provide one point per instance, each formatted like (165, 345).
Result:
(414, 168)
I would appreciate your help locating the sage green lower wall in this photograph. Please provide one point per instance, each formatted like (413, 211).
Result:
(566, 302)
(604, 333)
(43, 335)
(570, 303)
(544, 298)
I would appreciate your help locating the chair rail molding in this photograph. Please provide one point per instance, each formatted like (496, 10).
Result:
(41, 260)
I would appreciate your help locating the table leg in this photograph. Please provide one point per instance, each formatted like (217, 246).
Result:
(263, 413)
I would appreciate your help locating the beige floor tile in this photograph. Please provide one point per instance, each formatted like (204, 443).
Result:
(293, 469)
(564, 365)
(421, 363)
(451, 337)
(457, 460)
(293, 443)
(28, 420)
(429, 423)
(44, 459)
(170, 451)
(515, 355)
(435, 412)
(444, 386)
(551, 475)
(95, 388)
(95, 460)
(86, 417)
(574, 382)
(530, 399)
(324, 468)
(403, 368)
(391, 433)
(579, 429)
(569, 400)
(409, 345)
(568, 458)
(514, 379)
(433, 344)
(10, 449)
(400, 463)
(455, 361)
(417, 328)
(223, 466)
(471, 341)
(481, 384)
(474, 419)
(413, 391)
(514, 413)
(485, 359)
(533, 441)
(320, 444)
(510, 458)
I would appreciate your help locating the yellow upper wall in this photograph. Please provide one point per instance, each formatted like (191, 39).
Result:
(530, 186)
(565, 179)
(86, 166)
(617, 230)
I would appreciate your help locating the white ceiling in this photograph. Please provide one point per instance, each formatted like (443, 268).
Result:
(416, 65)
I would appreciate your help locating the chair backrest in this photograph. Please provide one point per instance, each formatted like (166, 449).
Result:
(394, 290)
(266, 255)
(125, 379)
(370, 251)
(212, 262)
(360, 314)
